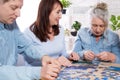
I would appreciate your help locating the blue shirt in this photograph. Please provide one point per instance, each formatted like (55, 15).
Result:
(54, 48)
(12, 42)
(109, 42)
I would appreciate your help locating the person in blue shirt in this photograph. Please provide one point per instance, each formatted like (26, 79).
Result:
(12, 42)
(98, 42)
(47, 32)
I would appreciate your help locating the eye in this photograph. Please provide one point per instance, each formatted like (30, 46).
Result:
(59, 11)
(102, 26)
(13, 7)
(94, 25)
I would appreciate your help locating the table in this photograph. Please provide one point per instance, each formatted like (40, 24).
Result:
(90, 71)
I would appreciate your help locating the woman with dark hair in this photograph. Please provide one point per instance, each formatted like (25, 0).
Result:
(47, 32)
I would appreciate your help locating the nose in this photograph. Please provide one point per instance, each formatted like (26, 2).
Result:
(98, 29)
(17, 12)
(60, 15)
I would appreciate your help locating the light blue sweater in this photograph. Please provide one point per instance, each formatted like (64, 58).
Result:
(54, 48)
(12, 42)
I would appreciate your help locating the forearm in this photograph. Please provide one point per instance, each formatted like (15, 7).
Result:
(35, 52)
(19, 73)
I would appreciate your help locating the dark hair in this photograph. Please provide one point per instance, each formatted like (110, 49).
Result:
(42, 24)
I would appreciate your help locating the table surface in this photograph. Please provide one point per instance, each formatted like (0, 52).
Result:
(88, 71)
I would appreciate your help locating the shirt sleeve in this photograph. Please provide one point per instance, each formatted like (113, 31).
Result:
(26, 46)
(116, 48)
(77, 47)
(19, 73)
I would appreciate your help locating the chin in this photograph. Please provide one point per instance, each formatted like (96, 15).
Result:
(55, 24)
(10, 22)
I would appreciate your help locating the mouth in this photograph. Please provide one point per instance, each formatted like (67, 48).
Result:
(13, 19)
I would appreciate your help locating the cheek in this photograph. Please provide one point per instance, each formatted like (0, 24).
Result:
(93, 30)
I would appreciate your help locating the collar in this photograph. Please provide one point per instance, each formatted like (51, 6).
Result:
(1, 26)
(103, 36)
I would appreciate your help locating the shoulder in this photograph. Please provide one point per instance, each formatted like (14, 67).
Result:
(27, 30)
(83, 31)
(111, 35)
(61, 28)
(29, 34)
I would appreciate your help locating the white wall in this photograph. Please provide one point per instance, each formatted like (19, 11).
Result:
(28, 13)
(77, 11)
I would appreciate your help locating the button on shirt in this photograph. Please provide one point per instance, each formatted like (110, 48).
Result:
(109, 42)
(12, 42)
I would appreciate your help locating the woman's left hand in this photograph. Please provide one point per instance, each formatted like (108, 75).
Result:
(74, 56)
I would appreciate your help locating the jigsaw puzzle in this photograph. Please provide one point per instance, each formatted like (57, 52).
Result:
(89, 71)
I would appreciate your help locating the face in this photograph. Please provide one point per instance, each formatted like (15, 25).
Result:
(10, 10)
(98, 26)
(55, 15)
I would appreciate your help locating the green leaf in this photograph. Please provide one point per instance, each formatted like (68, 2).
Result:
(65, 3)
(76, 25)
(118, 25)
(118, 17)
(113, 17)
(113, 27)
(115, 22)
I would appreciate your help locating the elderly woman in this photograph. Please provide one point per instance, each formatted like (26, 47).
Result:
(98, 42)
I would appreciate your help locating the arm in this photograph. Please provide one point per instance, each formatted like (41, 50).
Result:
(77, 48)
(26, 46)
(112, 49)
(47, 72)
(116, 48)
(82, 43)
(19, 73)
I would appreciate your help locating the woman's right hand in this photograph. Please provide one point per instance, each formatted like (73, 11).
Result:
(64, 61)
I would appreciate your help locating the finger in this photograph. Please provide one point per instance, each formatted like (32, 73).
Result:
(88, 57)
(50, 78)
(67, 63)
(53, 74)
(71, 57)
(77, 57)
(56, 70)
(56, 62)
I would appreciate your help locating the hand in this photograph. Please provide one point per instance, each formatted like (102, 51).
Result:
(89, 55)
(50, 71)
(64, 61)
(48, 60)
(74, 56)
(106, 56)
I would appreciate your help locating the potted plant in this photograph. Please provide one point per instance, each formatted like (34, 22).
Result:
(75, 27)
(66, 4)
(115, 22)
